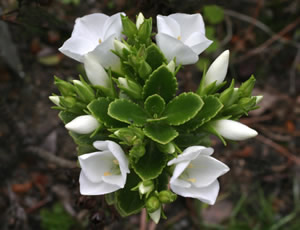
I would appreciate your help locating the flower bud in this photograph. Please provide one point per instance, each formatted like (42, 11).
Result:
(258, 98)
(233, 130)
(171, 66)
(83, 124)
(129, 135)
(139, 21)
(155, 216)
(65, 88)
(95, 72)
(217, 70)
(167, 148)
(130, 87)
(144, 69)
(152, 204)
(54, 99)
(146, 187)
(84, 91)
(119, 46)
(167, 196)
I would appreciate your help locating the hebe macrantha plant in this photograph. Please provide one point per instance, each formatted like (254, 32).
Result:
(140, 143)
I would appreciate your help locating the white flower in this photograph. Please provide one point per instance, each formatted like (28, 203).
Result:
(195, 174)
(104, 171)
(95, 72)
(84, 124)
(233, 130)
(218, 69)
(94, 33)
(181, 36)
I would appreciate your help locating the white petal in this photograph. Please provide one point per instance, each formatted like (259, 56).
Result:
(171, 66)
(155, 216)
(115, 180)
(101, 145)
(113, 26)
(191, 153)
(180, 167)
(95, 72)
(233, 130)
(198, 42)
(54, 99)
(96, 164)
(119, 154)
(218, 69)
(258, 98)
(89, 188)
(181, 183)
(206, 194)
(169, 26)
(205, 170)
(84, 124)
(189, 23)
(140, 20)
(76, 47)
(172, 47)
(104, 55)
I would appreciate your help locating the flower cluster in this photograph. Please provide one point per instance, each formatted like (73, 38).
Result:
(140, 143)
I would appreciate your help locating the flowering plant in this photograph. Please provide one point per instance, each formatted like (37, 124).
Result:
(140, 142)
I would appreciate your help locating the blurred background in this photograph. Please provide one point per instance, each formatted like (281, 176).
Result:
(38, 169)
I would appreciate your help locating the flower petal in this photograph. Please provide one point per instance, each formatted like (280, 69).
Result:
(180, 167)
(96, 164)
(234, 130)
(205, 170)
(189, 23)
(95, 72)
(84, 124)
(76, 47)
(172, 47)
(168, 25)
(101, 145)
(113, 26)
(119, 154)
(103, 54)
(206, 194)
(198, 42)
(155, 216)
(115, 180)
(89, 188)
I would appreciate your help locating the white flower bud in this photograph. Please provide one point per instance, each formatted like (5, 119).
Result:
(83, 124)
(234, 130)
(119, 46)
(139, 21)
(95, 72)
(171, 66)
(54, 99)
(217, 70)
(258, 98)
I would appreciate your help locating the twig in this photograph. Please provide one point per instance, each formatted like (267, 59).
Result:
(229, 33)
(267, 43)
(292, 74)
(272, 135)
(175, 219)
(143, 216)
(285, 152)
(152, 225)
(51, 157)
(38, 205)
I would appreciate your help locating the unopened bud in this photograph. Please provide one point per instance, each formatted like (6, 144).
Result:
(139, 21)
(167, 196)
(152, 204)
(54, 99)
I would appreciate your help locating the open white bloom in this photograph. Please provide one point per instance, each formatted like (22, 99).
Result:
(218, 69)
(95, 72)
(104, 171)
(195, 174)
(94, 33)
(181, 36)
(84, 124)
(234, 130)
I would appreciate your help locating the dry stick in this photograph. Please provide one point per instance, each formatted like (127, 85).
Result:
(61, 162)
(292, 73)
(175, 219)
(143, 216)
(152, 225)
(285, 152)
(267, 43)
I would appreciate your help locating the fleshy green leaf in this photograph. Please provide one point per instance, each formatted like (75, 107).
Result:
(183, 108)
(211, 107)
(214, 14)
(127, 111)
(191, 139)
(155, 57)
(246, 88)
(151, 164)
(162, 82)
(99, 108)
(155, 104)
(129, 202)
(85, 139)
(66, 117)
(160, 133)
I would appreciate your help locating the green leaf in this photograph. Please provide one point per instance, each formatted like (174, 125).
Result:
(154, 105)
(85, 139)
(160, 133)
(127, 111)
(99, 108)
(66, 117)
(129, 202)
(129, 28)
(151, 164)
(83, 149)
(211, 107)
(191, 139)
(246, 88)
(155, 57)
(110, 198)
(183, 108)
(214, 14)
(162, 82)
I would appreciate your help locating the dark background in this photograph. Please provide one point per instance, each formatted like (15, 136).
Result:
(38, 169)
